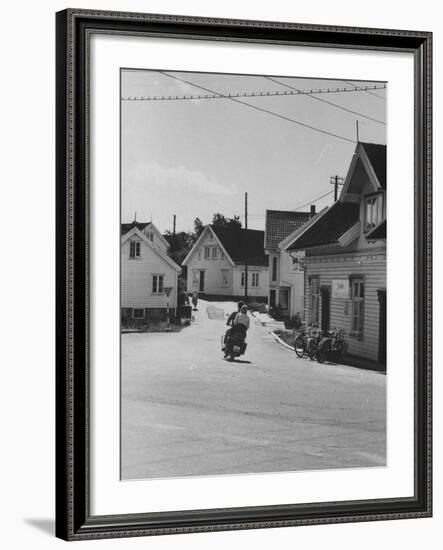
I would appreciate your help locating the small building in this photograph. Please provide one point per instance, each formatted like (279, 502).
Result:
(216, 263)
(345, 262)
(150, 231)
(286, 271)
(148, 279)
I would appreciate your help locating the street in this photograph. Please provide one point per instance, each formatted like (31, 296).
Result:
(186, 411)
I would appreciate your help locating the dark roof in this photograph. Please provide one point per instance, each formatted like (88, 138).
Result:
(377, 157)
(280, 224)
(139, 225)
(243, 244)
(340, 217)
(378, 232)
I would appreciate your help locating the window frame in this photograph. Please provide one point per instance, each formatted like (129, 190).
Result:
(357, 301)
(314, 299)
(274, 268)
(155, 280)
(379, 209)
(134, 309)
(136, 245)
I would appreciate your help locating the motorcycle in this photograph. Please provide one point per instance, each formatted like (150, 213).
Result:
(235, 345)
(332, 347)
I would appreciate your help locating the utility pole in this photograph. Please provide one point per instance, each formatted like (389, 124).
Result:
(246, 247)
(356, 126)
(336, 181)
(173, 226)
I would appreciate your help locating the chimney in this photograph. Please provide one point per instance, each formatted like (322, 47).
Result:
(312, 209)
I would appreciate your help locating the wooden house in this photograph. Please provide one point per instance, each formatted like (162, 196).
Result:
(148, 279)
(216, 263)
(286, 271)
(345, 263)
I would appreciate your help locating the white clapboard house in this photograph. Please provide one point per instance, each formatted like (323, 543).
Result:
(216, 263)
(148, 277)
(286, 271)
(345, 257)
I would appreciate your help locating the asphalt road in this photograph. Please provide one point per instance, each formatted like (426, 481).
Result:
(187, 411)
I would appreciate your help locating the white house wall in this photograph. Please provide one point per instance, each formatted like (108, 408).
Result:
(212, 267)
(295, 280)
(263, 280)
(136, 278)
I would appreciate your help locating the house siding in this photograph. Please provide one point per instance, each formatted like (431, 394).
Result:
(371, 267)
(259, 291)
(212, 267)
(136, 278)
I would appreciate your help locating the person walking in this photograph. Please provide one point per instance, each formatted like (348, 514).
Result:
(195, 299)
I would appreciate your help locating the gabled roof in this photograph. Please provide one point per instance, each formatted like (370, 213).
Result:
(379, 232)
(243, 244)
(370, 157)
(280, 224)
(329, 227)
(377, 157)
(136, 232)
(141, 226)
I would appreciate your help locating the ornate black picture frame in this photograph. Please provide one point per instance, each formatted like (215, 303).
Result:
(74, 520)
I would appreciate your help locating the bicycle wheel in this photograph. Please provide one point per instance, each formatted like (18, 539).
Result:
(311, 348)
(300, 346)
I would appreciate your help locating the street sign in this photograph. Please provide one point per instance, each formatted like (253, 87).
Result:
(167, 290)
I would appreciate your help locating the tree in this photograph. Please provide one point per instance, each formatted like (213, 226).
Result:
(198, 226)
(218, 220)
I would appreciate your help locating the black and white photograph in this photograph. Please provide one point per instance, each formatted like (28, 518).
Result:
(252, 274)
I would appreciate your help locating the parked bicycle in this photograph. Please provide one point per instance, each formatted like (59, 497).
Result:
(331, 347)
(306, 342)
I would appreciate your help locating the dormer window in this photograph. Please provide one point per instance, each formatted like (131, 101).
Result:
(150, 236)
(134, 249)
(373, 211)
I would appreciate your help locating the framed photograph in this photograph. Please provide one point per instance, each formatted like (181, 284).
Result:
(242, 340)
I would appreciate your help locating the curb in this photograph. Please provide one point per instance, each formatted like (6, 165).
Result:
(280, 341)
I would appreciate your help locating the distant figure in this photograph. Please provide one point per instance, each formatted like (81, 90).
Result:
(195, 299)
(183, 298)
(241, 321)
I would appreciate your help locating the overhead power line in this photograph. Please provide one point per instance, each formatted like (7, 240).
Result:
(367, 91)
(336, 105)
(261, 109)
(266, 93)
(312, 200)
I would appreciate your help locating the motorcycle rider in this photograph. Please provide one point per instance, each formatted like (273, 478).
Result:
(241, 321)
(230, 323)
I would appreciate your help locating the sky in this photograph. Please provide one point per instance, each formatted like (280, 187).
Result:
(194, 157)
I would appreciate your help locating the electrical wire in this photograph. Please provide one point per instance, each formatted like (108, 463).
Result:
(328, 102)
(367, 91)
(255, 107)
(267, 93)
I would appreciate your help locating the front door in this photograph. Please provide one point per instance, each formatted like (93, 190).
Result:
(382, 326)
(201, 285)
(325, 308)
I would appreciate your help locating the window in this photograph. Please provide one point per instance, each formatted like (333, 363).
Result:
(225, 275)
(138, 313)
(157, 284)
(195, 278)
(373, 211)
(222, 255)
(150, 236)
(242, 280)
(134, 249)
(254, 281)
(314, 299)
(297, 264)
(357, 305)
(214, 252)
(207, 252)
(199, 254)
(274, 268)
